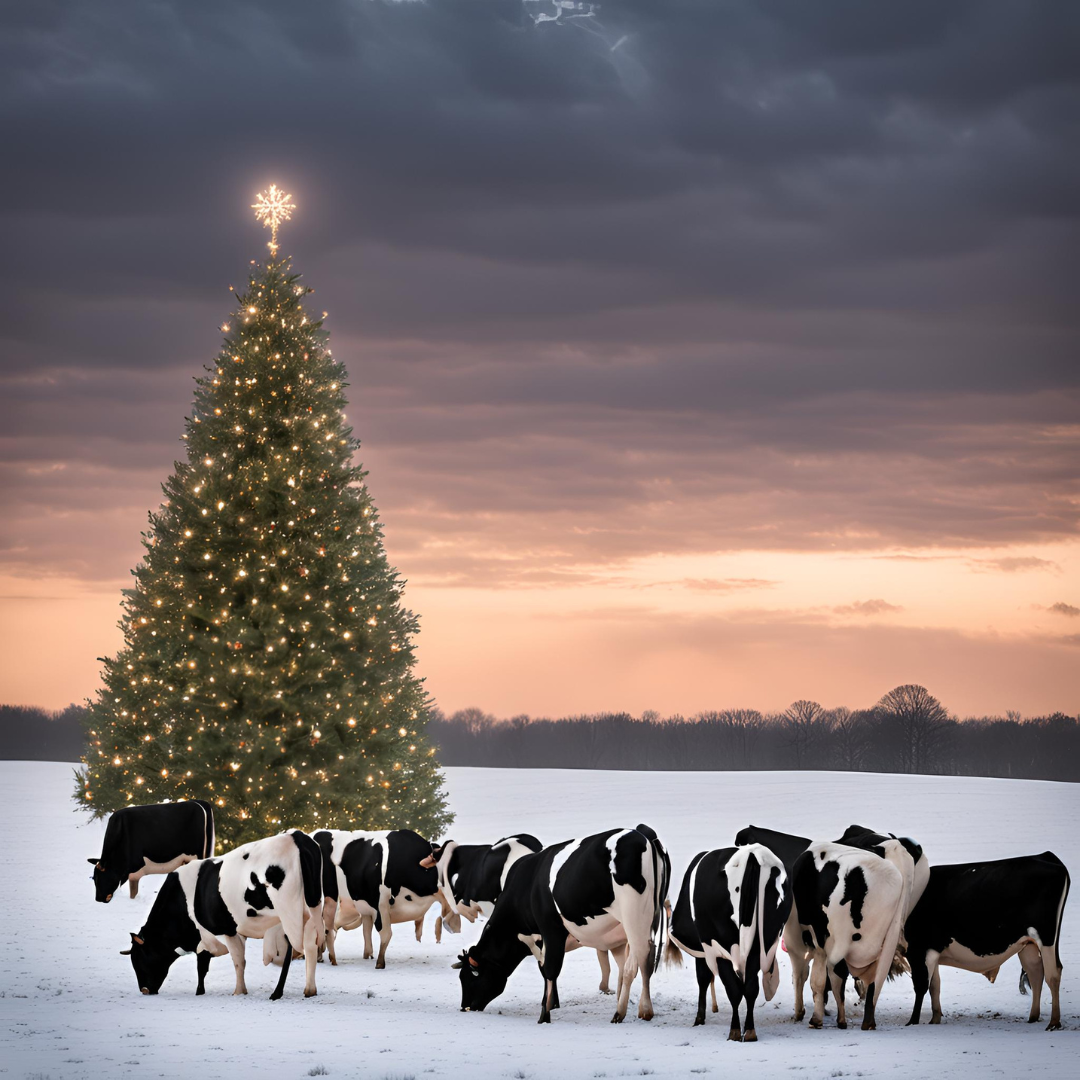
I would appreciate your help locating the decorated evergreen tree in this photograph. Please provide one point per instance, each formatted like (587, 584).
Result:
(267, 659)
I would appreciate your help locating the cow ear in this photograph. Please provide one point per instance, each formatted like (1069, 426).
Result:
(125, 952)
(428, 861)
(92, 862)
(458, 965)
(136, 940)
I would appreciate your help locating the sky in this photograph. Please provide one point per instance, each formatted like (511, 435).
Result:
(703, 354)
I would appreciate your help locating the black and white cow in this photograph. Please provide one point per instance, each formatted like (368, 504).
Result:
(904, 853)
(976, 915)
(787, 847)
(471, 877)
(605, 891)
(730, 914)
(850, 905)
(375, 879)
(210, 906)
(156, 839)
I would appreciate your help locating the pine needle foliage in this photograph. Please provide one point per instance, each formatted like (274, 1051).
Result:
(268, 657)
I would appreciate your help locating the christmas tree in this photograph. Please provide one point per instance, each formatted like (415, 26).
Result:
(267, 659)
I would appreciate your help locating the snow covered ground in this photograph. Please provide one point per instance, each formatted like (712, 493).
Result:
(69, 1006)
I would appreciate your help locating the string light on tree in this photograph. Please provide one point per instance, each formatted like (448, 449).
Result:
(267, 659)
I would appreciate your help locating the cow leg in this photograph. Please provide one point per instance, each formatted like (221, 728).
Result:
(1031, 962)
(818, 978)
(554, 949)
(235, 945)
(386, 932)
(715, 1003)
(627, 972)
(605, 970)
(734, 987)
(796, 951)
(837, 980)
(311, 952)
(438, 929)
(1052, 971)
(920, 980)
(935, 986)
(202, 966)
(133, 887)
(280, 988)
(869, 1019)
(419, 925)
(750, 992)
(705, 979)
(366, 922)
(329, 914)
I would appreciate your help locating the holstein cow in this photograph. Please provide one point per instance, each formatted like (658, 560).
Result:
(787, 848)
(729, 916)
(850, 905)
(471, 877)
(210, 906)
(976, 915)
(606, 891)
(141, 840)
(375, 879)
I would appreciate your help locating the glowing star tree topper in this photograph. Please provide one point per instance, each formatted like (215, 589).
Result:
(272, 207)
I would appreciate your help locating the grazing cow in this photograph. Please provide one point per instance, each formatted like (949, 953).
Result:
(787, 848)
(375, 879)
(141, 840)
(210, 906)
(606, 891)
(850, 905)
(976, 915)
(730, 914)
(471, 876)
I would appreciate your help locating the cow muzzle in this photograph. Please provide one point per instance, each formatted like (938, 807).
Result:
(144, 990)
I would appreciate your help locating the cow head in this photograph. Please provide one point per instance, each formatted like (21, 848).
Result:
(151, 963)
(106, 882)
(482, 981)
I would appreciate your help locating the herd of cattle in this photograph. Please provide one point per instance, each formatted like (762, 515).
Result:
(868, 905)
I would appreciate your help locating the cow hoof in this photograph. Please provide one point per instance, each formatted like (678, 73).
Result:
(333, 961)
(200, 991)
(799, 1016)
(842, 1025)
(699, 1021)
(310, 993)
(276, 995)
(380, 965)
(545, 1018)
(869, 1027)
(616, 1019)
(1054, 1025)
(749, 1036)
(645, 1016)
(734, 1035)
(935, 1019)
(242, 993)
(606, 990)
(815, 1022)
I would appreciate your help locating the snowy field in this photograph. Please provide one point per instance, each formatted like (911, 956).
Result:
(70, 1008)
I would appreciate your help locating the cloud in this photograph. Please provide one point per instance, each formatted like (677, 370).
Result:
(867, 607)
(1015, 564)
(1062, 608)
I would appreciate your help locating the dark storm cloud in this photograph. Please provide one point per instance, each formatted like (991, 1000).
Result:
(706, 275)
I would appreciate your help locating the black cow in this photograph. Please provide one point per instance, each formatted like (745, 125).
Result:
(606, 891)
(976, 915)
(787, 848)
(730, 914)
(375, 879)
(471, 877)
(156, 839)
(242, 894)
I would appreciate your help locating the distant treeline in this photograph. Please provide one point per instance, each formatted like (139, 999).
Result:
(28, 734)
(907, 731)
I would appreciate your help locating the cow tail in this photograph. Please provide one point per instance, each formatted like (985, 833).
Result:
(209, 837)
(311, 873)
(1061, 914)
(661, 866)
(763, 880)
